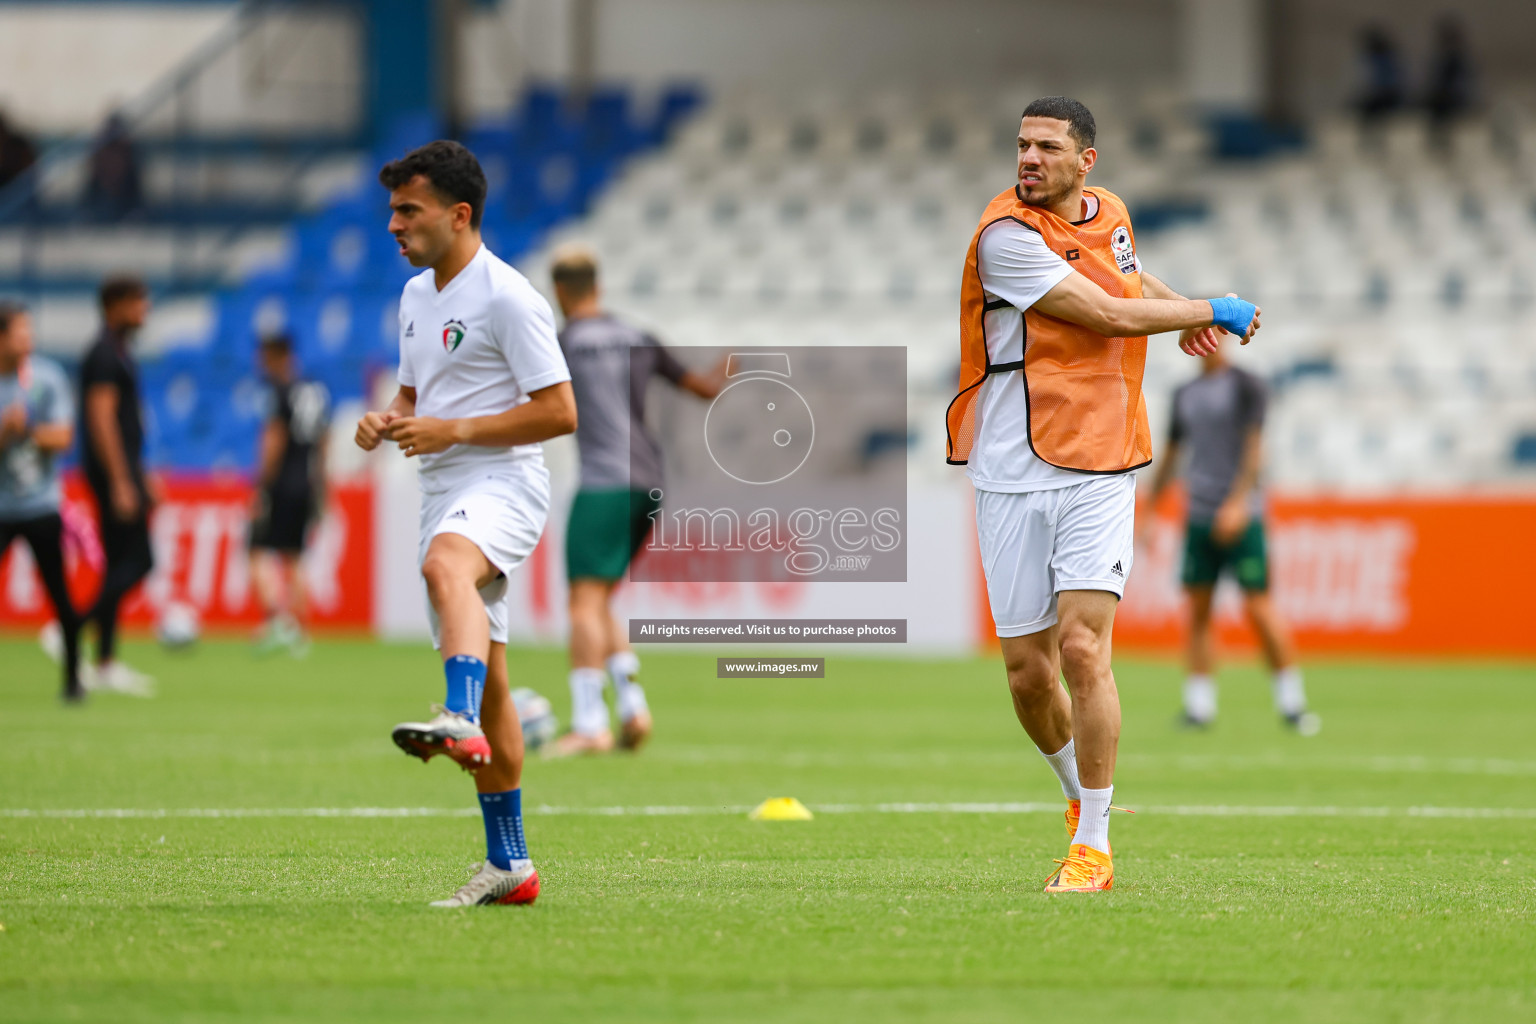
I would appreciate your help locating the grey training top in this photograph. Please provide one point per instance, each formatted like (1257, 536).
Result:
(611, 363)
(29, 478)
(1212, 416)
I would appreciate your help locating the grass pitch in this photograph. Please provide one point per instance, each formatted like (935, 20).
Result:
(1266, 877)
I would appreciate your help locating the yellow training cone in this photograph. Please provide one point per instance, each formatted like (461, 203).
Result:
(780, 808)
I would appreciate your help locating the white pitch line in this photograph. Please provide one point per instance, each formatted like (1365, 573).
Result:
(1372, 764)
(1175, 810)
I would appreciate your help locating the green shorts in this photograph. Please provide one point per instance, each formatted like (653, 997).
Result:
(1247, 558)
(604, 531)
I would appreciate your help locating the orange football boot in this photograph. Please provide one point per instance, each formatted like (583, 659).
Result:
(1084, 870)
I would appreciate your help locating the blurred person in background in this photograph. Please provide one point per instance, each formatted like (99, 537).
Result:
(36, 428)
(1381, 90)
(112, 456)
(1217, 426)
(112, 188)
(16, 153)
(290, 495)
(1451, 74)
(621, 474)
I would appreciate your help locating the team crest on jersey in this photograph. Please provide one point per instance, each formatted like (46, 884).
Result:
(453, 334)
(1125, 253)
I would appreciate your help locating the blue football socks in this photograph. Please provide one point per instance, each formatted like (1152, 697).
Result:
(504, 842)
(466, 685)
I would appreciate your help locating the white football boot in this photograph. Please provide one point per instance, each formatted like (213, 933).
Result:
(116, 677)
(492, 885)
(447, 733)
(268, 637)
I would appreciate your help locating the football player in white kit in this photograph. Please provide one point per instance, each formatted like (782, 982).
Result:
(482, 383)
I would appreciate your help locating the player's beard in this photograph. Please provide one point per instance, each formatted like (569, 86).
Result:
(1038, 195)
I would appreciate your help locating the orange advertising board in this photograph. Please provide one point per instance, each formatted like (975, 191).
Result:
(200, 533)
(1410, 575)
(1399, 575)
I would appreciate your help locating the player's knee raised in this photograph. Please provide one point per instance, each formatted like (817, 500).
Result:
(443, 571)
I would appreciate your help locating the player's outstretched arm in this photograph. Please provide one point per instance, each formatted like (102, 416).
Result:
(374, 426)
(1194, 341)
(549, 412)
(1078, 300)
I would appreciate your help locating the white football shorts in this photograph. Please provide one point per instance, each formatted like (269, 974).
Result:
(503, 514)
(1036, 544)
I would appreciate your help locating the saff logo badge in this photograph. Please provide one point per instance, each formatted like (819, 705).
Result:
(1125, 252)
(453, 334)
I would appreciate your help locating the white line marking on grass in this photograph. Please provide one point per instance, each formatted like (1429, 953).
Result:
(1173, 810)
(243, 812)
(1381, 765)
(1372, 764)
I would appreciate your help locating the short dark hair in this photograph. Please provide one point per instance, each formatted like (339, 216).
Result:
(1063, 108)
(450, 168)
(9, 311)
(119, 287)
(278, 343)
(576, 268)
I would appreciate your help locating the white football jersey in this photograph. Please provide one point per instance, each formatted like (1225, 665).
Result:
(477, 348)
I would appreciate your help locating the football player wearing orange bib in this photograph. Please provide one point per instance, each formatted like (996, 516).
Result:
(1055, 310)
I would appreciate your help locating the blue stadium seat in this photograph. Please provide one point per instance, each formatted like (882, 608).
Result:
(375, 326)
(676, 103)
(545, 125)
(410, 129)
(322, 324)
(608, 131)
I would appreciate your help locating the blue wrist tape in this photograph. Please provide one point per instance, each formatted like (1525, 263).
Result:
(1232, 315)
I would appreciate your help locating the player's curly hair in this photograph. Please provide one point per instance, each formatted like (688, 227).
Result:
(1063, 108)
(452, 170)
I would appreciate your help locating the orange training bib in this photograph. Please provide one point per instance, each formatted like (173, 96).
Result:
(1083, 390)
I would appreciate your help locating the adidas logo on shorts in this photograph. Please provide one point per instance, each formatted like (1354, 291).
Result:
(410, 329)
(1117, 570)
(460, 514)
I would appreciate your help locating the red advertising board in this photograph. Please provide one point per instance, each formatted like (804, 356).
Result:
(201, 559)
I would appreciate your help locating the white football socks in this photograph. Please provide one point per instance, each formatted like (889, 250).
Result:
(1200, 698)
(589, 715)
(628, 696)
(1093, 824)
(1064, 764)
(1290, 694)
